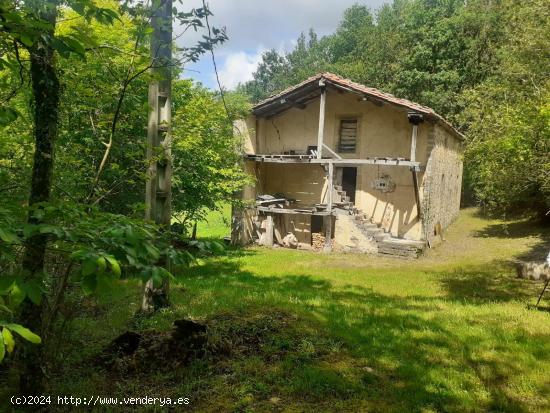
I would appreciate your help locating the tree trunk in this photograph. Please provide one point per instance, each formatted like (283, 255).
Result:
(194, 232)
(45, 87)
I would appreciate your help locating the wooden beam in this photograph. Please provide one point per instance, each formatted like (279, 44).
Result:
(413, 143)
(338, 162)
(363, 95)
(321, 132)
(331, 151)
(266, 108)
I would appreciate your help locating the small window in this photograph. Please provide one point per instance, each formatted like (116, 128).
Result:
(348, 136)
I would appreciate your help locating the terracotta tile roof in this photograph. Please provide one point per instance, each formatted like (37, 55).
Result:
(368, 91)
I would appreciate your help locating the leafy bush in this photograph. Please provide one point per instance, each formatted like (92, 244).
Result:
(100, 247)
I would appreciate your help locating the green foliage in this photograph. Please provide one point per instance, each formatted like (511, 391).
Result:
(102, 248)
(104, 97)
(482, 64)
(7, 342)
(206, 156)
(451, 332)
(508, 118)
(103, 66)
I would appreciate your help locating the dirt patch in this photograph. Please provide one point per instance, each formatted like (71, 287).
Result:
(222, 336)
(153, 350)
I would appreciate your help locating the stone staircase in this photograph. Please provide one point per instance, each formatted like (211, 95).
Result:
(367, 236)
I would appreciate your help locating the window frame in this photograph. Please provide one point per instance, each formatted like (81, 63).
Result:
(340, 120)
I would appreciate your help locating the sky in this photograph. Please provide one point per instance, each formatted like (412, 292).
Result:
(254, 26)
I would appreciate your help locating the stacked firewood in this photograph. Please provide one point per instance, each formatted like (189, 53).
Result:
(317, 241)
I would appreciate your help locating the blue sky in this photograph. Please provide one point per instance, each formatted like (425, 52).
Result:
(254, 26)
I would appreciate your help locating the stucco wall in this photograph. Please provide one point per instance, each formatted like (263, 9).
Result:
(245, 130)
(383, 131)
(443, 180)
(395, 211)
(303, 182)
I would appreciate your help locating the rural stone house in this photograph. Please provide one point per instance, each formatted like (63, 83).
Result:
(341, 165)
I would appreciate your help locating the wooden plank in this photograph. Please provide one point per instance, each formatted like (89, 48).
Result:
(271, 201)
(290, 211)
(330, 185)
(278, 236)
(417, 194)
(321, 131)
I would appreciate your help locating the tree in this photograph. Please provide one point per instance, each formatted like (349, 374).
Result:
(206, 150)
(508, 118)
(77, 118)
(37, 35)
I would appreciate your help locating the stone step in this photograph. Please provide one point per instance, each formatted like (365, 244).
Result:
(374, 232)
(397, 247)
(382, 237)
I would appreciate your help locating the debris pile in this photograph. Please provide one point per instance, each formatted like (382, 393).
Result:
(290, 241)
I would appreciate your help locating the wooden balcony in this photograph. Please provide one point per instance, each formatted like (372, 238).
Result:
(296, 158)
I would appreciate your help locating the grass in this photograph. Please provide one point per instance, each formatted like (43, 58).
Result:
(299, 331)
(217, 223)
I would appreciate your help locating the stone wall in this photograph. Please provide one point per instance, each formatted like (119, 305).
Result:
(442, 181)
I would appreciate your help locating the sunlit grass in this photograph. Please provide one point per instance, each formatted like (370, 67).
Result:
(450, 332)
(217, 223)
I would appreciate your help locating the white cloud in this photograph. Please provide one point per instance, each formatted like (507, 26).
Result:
(253, 24)
(238, 68)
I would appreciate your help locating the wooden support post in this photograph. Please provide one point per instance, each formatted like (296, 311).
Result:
(269, 231)
(542, 292)
(330, 185)
(321, 132)
(413, 143)
(416, 193)
(327, 222)
(328, 218)
(158, 192)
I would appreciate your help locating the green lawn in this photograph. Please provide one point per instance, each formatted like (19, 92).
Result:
(299, 331)
(217, 224)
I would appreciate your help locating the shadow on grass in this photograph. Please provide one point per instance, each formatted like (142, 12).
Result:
(518, 230)
(494, 282)
(514, 229)
(400, 357)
